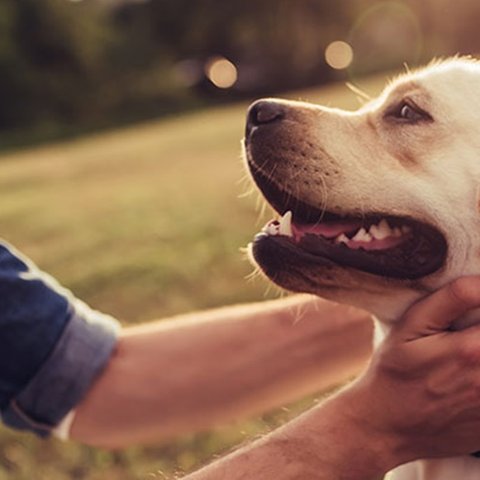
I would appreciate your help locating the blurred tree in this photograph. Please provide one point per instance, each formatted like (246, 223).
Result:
(50, 57)
(99, 62)
(262, 36)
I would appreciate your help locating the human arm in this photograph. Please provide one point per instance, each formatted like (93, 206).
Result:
(159, 379)
(418, 398)
(198, 370)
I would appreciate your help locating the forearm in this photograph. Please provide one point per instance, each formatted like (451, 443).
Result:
(325, 443)
(199, 370)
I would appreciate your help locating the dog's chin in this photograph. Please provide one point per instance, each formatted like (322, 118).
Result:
(297, 270)
(290, 268)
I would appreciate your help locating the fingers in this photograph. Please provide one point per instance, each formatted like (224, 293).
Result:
(437, 312)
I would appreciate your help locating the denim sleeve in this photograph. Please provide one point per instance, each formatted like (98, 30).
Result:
(52, 346)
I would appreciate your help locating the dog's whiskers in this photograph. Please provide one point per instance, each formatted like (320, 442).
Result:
(245, 178)
(250, 191)
(280, 293)
(271, 175)
(362, 96)
(301, 309)
(247, 185)
(324, 192)
(252, 276)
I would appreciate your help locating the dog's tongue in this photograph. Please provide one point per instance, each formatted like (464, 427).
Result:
(326, 229)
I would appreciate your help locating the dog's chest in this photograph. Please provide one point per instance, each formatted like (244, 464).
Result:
(455, 468)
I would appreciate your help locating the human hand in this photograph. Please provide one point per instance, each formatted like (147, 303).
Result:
(420, 396)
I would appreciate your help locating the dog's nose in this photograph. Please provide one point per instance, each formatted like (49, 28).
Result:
(262, 112)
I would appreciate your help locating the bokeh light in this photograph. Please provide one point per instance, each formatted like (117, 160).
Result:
(221, 72)
(339, 55)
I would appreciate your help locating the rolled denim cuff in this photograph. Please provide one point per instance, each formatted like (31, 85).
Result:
(80, 355)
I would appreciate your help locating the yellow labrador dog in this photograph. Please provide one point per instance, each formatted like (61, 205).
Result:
(377, 207)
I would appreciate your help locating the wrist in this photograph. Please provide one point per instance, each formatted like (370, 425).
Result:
(341, 442)
(385, 447)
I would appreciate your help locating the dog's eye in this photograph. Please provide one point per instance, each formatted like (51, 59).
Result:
(408, 112)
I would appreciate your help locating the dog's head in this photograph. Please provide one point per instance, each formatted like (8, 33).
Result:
(384, 201)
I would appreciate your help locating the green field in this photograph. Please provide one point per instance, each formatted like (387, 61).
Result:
(142, 223)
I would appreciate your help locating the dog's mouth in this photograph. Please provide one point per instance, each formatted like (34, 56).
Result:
(380, 244)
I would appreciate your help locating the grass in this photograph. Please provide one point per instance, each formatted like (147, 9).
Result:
(141, 223)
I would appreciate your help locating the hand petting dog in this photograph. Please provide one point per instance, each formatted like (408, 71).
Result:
(418, 398)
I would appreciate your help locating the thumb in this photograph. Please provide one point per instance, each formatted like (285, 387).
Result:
(437, 312)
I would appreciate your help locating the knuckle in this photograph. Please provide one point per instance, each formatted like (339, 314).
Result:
(469, 353)
(410, 316)
(465, 290)
(394, 362)
(458, 290)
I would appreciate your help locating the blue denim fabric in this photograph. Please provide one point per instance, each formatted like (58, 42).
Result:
(52, 346)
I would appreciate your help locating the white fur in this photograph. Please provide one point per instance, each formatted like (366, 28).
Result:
(429, 171)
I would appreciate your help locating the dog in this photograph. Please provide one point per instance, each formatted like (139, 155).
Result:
(378, 207)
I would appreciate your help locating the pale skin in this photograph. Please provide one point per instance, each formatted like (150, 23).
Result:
(204, 369)
(418, 398)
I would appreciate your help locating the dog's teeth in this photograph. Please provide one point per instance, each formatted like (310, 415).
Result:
(342, 239)
(375, 232)
(384, 226)
(362, 236)
(381, 231)
(367, 237)
(359, 235)
(271, 229)
(286, 225)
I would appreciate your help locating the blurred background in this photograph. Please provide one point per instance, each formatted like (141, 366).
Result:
(120, 164)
